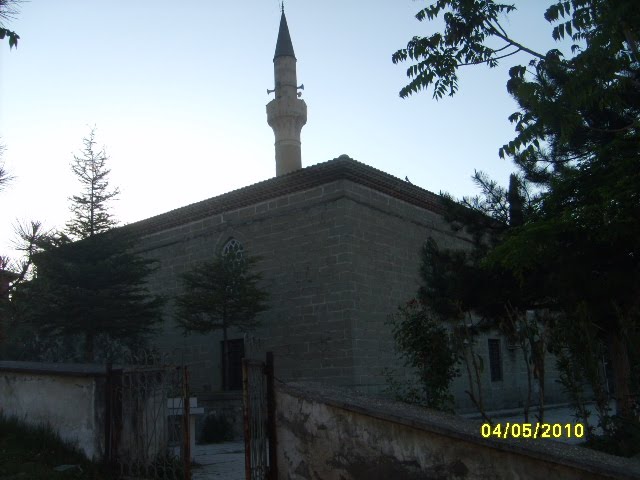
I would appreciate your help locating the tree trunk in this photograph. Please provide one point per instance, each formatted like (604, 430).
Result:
(525, 355)
(225, 359)
(621, 374)
(541, 375)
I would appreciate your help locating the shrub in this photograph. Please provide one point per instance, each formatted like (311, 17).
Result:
(216, 428)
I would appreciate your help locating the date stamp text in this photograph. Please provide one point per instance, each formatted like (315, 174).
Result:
(532, 430)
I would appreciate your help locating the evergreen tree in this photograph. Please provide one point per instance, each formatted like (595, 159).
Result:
(5, 177)
(90, 209)
(220, 295)
(8, 11)
(93, 288)
(577, 143)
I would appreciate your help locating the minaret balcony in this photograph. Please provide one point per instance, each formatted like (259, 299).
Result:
(284, 111)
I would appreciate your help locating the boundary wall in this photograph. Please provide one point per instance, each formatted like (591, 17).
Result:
(336, 433)
(68, 397)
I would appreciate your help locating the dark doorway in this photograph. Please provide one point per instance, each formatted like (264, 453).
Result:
(235, 354)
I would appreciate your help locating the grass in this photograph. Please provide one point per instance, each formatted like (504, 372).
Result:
(28, 452)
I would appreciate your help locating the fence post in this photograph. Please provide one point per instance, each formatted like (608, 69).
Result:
(271, 419)
(186, 448)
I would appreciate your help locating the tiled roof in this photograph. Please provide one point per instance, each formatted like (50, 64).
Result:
(339, 168)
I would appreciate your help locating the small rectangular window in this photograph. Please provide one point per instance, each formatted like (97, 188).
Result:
(495, 359)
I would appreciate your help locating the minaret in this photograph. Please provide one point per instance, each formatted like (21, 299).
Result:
(287, 113)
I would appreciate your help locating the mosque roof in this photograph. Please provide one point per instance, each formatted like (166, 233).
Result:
(339, 168)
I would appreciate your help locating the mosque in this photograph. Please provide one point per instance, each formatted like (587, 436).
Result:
(339, 244)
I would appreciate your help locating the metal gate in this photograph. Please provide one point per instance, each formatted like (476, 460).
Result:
(147, 419)
(259, 419)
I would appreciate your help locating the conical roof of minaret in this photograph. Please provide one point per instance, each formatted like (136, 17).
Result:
(284, 47)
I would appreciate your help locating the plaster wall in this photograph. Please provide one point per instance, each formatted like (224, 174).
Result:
(71, 405)
(332, 433)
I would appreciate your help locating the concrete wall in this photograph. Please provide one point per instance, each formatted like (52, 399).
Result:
(333, 433)
(69, 398)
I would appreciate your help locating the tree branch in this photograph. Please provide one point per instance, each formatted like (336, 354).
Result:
(506, 38)
(479, 62)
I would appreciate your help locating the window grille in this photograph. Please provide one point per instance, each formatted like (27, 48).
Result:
(233, 246)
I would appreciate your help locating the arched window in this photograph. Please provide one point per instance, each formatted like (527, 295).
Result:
(233, 246)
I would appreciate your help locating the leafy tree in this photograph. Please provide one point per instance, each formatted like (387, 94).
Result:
(219, 295)
(577, 144)
(425, 346)
(8, 11)
(94, 287)
(460, 291)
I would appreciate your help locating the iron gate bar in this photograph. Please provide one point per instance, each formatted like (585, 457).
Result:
(255, 421)
(259, 419)
(271, 419)
(138, 438)
(245, 415)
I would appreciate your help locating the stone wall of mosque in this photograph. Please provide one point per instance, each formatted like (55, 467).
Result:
(337, 260)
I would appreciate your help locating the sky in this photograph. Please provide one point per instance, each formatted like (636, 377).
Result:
(177, 94)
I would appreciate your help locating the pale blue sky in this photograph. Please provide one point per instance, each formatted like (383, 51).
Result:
(177, 91)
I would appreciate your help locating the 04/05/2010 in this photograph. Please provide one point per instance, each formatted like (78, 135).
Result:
(532, 430)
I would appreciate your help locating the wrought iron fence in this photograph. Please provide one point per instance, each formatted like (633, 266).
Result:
(147, 431)
(259, 419)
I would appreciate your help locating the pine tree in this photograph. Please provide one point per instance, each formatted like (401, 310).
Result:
(90, 209)
(5, 177)
(8, 11)
(220, 295)
(93, 287)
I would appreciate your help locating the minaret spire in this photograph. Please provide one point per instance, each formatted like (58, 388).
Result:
(287, 113)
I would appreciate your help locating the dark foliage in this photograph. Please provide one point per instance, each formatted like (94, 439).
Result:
(574, 246)
(425, 346)
(94, 288)
(220, 295)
